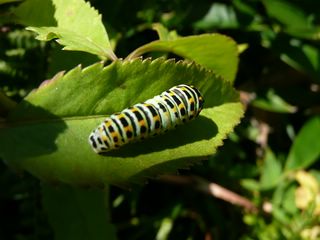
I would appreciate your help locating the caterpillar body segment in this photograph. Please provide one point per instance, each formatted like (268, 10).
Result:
(155, 116)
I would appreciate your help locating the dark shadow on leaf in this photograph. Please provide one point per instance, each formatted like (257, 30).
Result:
(162, 168)
(30, 131)
(200, 129)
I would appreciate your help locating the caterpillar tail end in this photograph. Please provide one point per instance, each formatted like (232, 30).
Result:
(96, 143)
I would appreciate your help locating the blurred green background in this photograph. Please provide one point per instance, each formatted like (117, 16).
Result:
(271, 159)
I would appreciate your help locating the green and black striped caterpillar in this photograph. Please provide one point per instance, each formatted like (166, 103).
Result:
(157, 115)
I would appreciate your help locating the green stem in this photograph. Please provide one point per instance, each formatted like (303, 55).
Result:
(149, 47)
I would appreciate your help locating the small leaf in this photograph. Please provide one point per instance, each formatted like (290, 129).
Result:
(273, 103)
(288, 201)
(219, 16)
(50, 128)
(283, 202)
(79, 28)
(163, 33)
(245, 7)
(306, 147)
(213, 51)
(84, 214)
(250, 184)
(242, 47)
(271, 172)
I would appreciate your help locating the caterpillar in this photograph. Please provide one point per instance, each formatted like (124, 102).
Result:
(155, 116)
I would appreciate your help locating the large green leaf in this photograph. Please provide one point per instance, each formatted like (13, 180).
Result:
(28, 14)
(79, 27)
(306, 147)
(213, 51)
(47, 134)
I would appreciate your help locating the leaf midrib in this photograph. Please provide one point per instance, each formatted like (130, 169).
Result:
(37, 121)
(11, 124)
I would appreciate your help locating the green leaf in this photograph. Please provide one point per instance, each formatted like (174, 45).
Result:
(289, 200)
(52, 125)
(220, 16)
(28, 14)
(287, 13)
(306, 147)
(242, 47)
(273, 103)
(213, 51)
(84, 214)
(303, 57)
(250, 184)
(163, 33)
(279, 195)
(79, 28)
(271, 172)
(283, 202)
(245, 7)
(311, 33)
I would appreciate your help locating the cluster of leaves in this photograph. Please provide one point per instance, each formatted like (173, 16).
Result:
(271, 158)
(279, 76)
(59, 115)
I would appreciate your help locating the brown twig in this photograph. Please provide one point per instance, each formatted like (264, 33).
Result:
(212, 189)
(246, 97)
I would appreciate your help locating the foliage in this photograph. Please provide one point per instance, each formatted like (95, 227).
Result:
(271, 159)
(58, 126)
(71, 105)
